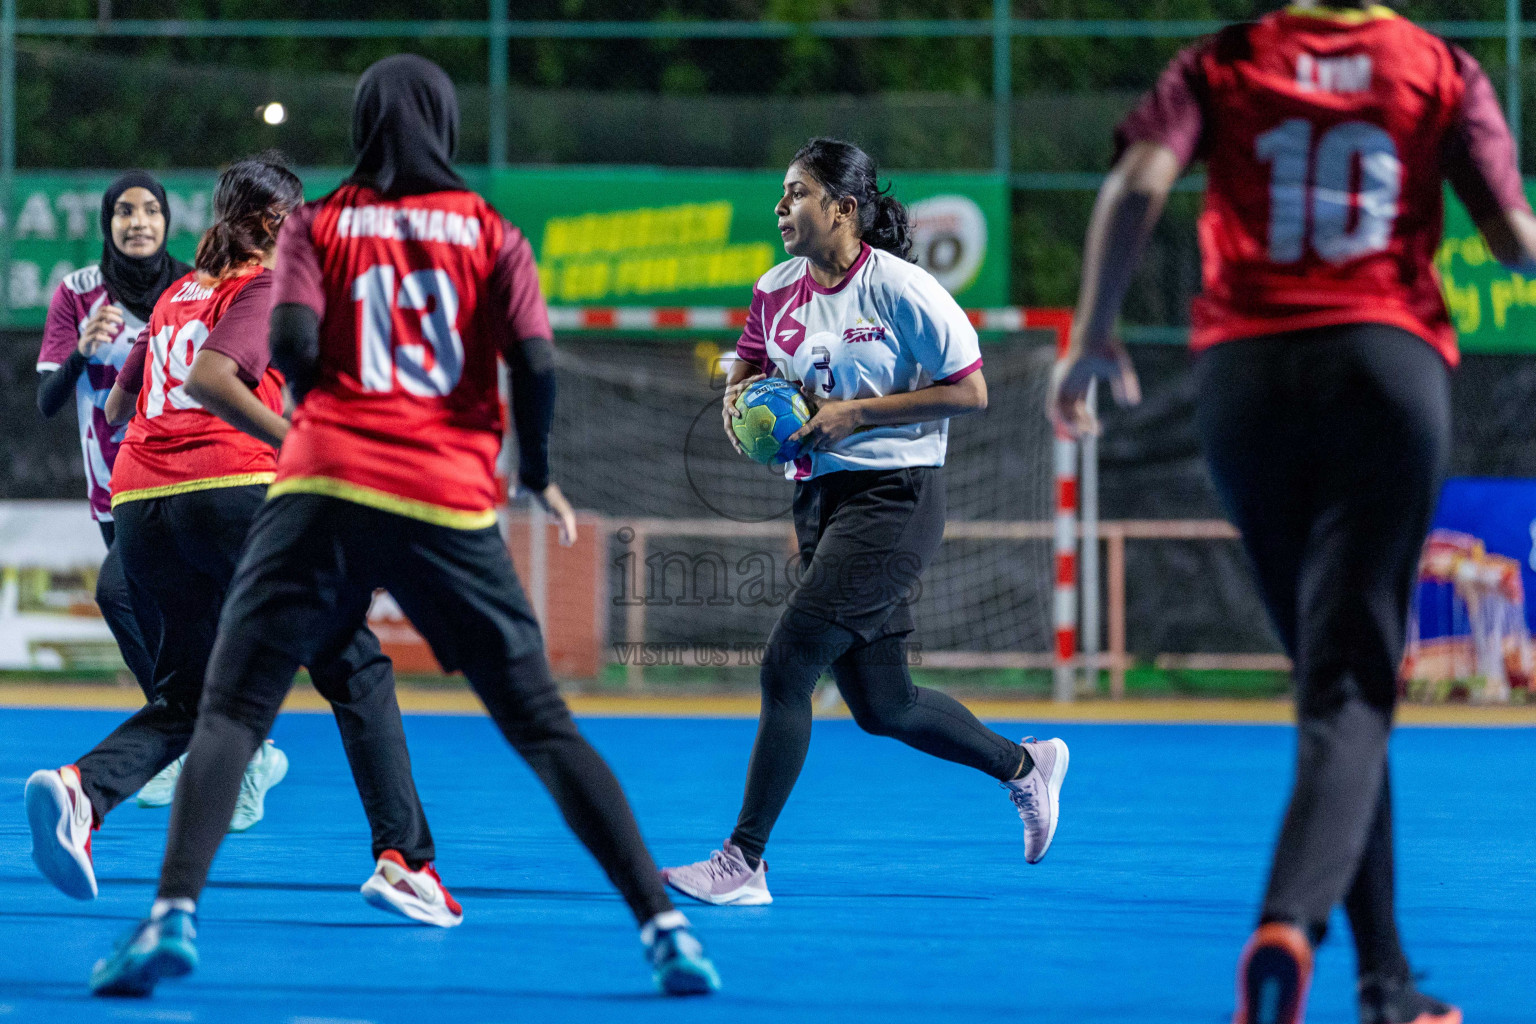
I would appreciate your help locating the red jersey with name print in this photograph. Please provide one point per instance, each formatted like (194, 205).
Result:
(417, 297)
(1327, 135)
(174, 445)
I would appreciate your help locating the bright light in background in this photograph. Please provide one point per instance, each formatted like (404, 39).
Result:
(273, 113)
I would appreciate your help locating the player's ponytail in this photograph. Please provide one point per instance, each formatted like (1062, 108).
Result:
(845, 171)
(250, 203)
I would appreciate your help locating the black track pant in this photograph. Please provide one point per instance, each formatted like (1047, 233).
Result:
(305, 580)
(865, 537)
(1328, 448)
(136, 638)
(180, 553)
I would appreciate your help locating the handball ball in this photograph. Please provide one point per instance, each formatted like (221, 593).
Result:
(771, 410)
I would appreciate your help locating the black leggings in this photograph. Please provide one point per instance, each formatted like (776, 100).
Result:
(1328, 448)
(305, 579)
(865, 537)
(136, 631)
(180, 553)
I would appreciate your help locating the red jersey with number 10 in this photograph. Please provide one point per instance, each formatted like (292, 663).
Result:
(1327, 135)
(174, 445)
(417, 295)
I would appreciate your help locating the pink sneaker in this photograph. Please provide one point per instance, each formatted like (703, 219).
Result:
(1038, 795)
(61, 818)
(724, 879)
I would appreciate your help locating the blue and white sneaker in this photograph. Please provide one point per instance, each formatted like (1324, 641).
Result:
(153, 951)
(161, 790)
(678, 964)
(267, 768)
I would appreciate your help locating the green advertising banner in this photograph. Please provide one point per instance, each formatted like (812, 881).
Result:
(606, 237)
(1493, 309)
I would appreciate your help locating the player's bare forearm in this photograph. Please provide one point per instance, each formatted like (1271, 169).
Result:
(120, 403)
(834, 421)
(1511, 237)
(214, 381)
(1129, 204)
(940, 401)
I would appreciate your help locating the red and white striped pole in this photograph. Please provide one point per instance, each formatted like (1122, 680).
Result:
(1064, 611)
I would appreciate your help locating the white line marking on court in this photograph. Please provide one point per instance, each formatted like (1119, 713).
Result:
(180, 1015)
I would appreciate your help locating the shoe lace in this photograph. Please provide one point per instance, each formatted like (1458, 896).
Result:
(721, 865)
(1026, 799)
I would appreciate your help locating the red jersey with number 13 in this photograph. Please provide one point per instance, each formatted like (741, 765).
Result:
(417, 295)
(1327, 135)
(173, 444)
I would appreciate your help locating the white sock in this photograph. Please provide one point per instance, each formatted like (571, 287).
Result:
(164, 906)
(663, 922)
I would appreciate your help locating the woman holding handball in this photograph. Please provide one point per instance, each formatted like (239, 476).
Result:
(884, 356)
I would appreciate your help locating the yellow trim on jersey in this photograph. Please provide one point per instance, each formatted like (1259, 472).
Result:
(437, 515)
(209, 484)
(1348, 15)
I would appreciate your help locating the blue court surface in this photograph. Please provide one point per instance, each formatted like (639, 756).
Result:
(901, 890)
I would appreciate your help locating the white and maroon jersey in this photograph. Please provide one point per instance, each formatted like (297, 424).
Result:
(78, 297)
(888, 328)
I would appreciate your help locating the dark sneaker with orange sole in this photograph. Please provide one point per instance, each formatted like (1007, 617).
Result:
(1397, 1001)
(1274, 976)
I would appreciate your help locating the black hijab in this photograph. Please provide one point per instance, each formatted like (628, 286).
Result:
(136, 281)
(405, 128)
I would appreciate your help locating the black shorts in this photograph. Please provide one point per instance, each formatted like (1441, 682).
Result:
(865, 538)
(313, 562)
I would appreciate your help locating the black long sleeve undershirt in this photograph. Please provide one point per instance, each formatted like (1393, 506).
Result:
(294, 333)
(56, 387)
(532, 365)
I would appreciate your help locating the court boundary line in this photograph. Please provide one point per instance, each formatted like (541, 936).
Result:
(1172, 711)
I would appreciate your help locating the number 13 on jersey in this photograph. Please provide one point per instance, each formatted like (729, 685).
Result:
(428, 359)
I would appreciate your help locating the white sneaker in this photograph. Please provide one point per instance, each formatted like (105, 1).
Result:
(161, 790)
(724, 879)
(267, 768)
(418, 895)
(61, 820)
(1038, 795)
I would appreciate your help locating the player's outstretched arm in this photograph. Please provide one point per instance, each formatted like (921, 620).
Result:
(1129, 204)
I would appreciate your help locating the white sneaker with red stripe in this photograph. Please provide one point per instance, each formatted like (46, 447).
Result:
(61, 819)
(418, 895)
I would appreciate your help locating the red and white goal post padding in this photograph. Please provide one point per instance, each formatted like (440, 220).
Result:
(1075, 497)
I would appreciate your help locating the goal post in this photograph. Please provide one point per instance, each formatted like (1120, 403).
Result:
(696, 531)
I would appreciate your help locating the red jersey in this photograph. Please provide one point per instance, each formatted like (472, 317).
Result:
(1327, 135)
(417, 297)
(173, 444)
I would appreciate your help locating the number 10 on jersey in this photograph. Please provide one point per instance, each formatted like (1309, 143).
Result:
(384, 359)
(1313, 187)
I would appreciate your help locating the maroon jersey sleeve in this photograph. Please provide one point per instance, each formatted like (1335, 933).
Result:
(1480, 158)
(297, 276)
(241, 333)
(131, 377)
(514, 289)
(752, 346)
(61, 331)
(1172, 114)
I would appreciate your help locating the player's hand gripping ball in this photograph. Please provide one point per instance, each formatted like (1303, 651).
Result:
(771, 410)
